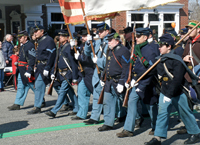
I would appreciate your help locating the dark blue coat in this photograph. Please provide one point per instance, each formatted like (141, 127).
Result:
(46, 51)
(155, 46)
(65, 50)
(26, 54)
(145, 85)
(172, 88)
(179, 50)
(7, 48)
(114, 70)
(88, 67)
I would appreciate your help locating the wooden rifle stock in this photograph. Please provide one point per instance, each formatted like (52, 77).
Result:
(54, 72)
(100, 101)
(125, 103)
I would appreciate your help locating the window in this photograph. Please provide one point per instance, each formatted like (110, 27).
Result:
(167, 25)
(55, 28)
(153, 17)
(169, 17)
(137, 25)
(137, 17)
(57, 17)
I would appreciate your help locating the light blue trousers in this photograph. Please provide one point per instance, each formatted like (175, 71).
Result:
(181, 104)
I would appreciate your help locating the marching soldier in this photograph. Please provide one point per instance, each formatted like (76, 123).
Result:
(25, 66)
(128, 37)
(152, 42)
(85, 87)
(143, 57)
(182, 33)
(171, 71)
(191, 56)
(117, 63)
(67, 73)
(101, 46)
(45, 56)
(178, 49)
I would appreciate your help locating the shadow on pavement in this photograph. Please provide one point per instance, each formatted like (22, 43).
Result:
(12, 126)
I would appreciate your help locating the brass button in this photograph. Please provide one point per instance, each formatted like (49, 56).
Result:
(135, 75)
(190, 67)
(165, 79)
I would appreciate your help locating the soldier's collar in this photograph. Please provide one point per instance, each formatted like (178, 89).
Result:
(26, 42)
(117, 47)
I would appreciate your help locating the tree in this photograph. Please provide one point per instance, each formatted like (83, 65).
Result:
(194, 10)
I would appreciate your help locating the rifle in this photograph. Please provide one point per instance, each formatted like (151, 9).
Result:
(125, 103)
(100, 101)
(54, 72)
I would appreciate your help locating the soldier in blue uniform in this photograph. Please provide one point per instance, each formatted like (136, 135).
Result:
(178, 49)
(128, 37)
(100, 46)
(152, 42)
(85, 87)
(25, 66)
(67, 73)
(182, 33)
(143, 58)
(117, 63)
(171, 71)
(45, 56)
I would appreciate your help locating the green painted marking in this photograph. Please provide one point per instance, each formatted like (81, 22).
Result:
(41, 130)
(55, 128)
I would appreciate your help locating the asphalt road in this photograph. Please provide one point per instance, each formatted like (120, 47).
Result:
(18, 128)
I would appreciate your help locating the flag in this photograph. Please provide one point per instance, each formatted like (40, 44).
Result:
(100, 8)
(72, 11)
(73, 14)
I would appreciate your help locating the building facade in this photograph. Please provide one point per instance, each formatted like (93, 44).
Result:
(23, 14)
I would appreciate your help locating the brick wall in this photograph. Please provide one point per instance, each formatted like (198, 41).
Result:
(183, 13)
(119, 22)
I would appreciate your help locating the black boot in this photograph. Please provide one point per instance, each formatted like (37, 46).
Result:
(121, 119)
(193, 139)
(50, 114)
(35, 110)
(139, 122)
(153, 141)
(105, 128)
(90, 121)
(14, 107)
(76, 118)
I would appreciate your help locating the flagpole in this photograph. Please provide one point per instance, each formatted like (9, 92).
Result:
(85, 19)
(70, 34)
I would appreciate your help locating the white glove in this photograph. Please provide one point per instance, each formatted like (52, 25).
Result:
(45, 73)
(52, 77)
(76, 55)
(94, 59)
(166, 99)
(28, 75)
(74, 81)
(138, 90)
(133, 83)
(89, 37)
(72, 42)
(102, 83)
(127, 85)
(15, 63)
(120, 88)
